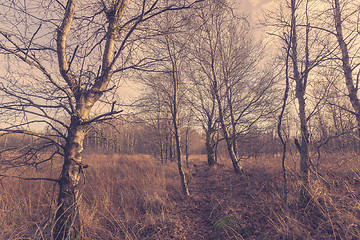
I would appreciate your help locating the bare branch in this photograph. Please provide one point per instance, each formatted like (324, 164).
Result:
(29, 178)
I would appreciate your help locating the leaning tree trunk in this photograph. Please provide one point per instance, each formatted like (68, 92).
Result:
(237, 168)
(184, 184)
(352, 90)
(67, 216)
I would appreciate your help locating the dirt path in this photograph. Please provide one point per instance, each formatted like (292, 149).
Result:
(223, 206)
(198, 209)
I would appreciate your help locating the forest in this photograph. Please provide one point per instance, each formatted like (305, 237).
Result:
(179, 119)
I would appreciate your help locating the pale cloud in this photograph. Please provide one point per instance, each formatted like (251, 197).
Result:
(261, 3)
(253, 7)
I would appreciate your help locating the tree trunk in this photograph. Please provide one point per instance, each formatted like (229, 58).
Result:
(162, 151)
(301, 82)
(184, 184)
(237, 168)
(210, 147)
(304, 155)
(187, 147)
(232, 120)
(67, 216)
(171, 152)
(166, 147)
(352, 90)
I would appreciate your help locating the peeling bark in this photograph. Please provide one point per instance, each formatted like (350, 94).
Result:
(67, 216)
(81, 84)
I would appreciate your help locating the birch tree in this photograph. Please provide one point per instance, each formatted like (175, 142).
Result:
(226, 63)
(204, 104)
(307, 47)
(346, 32)
(168, 81)
(63, 62)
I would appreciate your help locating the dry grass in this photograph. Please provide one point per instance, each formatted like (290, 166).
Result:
(128, 198)
(24, 208)
(334, 209)
(135, 197)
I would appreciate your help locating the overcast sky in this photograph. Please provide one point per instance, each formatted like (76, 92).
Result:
(254, 6)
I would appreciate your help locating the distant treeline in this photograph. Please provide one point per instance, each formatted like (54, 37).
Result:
(136, 136)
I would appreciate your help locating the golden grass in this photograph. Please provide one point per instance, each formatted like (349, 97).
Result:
(334, 209)
(128, 197)
(124, 197)
(135, 197)
(24, 207)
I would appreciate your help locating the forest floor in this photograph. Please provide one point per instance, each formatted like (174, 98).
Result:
(224, 205)
(135, 197)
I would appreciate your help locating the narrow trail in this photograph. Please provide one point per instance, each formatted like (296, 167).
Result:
(223, 205)
(198, 208)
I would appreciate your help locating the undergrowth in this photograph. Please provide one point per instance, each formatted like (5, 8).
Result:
(135, 197)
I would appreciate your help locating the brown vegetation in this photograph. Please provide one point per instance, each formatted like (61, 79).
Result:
(135, 197)
(198, 75)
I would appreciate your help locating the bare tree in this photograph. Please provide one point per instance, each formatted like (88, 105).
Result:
(204, 104)
(226, 61)
(168, 82)
(300, 89)
(349, 65)
(307, 47)
(340, 22)
(90, 45)
(155, 113)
